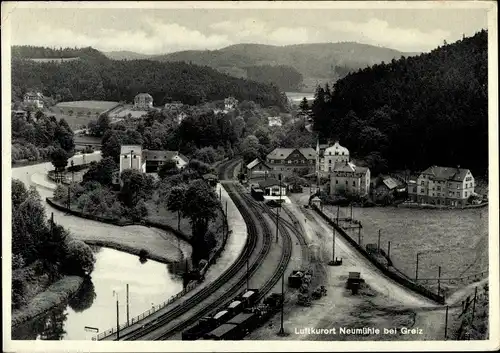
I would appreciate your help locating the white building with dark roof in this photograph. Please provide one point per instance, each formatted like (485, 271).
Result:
(143, 101)
(34, 99)
(257, 168)
(442, 186)
(348, 178)
(131, 158)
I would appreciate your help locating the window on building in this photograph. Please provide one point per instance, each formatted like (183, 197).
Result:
(346, 182)
(354, 183)
(125, 157)
(422, 183)
(466, 194)
(336, 181)
(439, 188)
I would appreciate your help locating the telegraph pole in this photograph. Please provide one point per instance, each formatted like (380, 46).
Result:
(416, 268)
(351, 210)
(278, 209)
(338, 211)
(128, 306)
(117, 320)
(282, 329)
(389, 249)
(359, 235)
(446, 324)
(439, 280)
(379, 240)
(69, 200)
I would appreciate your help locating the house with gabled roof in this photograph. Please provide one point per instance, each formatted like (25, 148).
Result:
(287, 161)
(442, 186)
(257, 168)
(348, 178)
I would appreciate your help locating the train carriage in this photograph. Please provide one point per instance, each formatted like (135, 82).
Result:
(250, 297)
(224, 332)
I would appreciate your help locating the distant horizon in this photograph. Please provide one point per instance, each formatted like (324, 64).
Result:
(224, 47)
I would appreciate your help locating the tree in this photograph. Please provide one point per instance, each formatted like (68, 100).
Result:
(304, 105)
(84, 298)
(103, 124)
(102, 171)
(19, 193)
(175, 202)
(168, 168)
(200, 207)
(59, 159)
(133, 182)
(80, 259)
(250, 148)
(140, 211)
(111, 148)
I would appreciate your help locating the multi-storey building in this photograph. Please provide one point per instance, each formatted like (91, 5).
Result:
(348, 178)
(288, 161)
(442, 186)
(143, 101)
(131, 158)
(333, 155)
(34, 98)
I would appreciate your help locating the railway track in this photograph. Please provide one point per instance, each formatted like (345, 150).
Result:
(230, 273)
(231, 293)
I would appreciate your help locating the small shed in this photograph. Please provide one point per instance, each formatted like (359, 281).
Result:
(316, 201)
(273, 187)
(257, 169)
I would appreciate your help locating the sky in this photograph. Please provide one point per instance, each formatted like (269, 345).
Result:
(164, 30)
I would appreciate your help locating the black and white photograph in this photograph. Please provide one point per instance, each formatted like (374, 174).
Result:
(295, 176)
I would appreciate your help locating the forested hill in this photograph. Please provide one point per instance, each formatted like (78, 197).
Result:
(112, 80)
(323, 61)
(416, 111)
(33, 52)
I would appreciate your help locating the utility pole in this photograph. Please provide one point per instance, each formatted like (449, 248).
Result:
(338, 211)
(439, 280)
(248, 274)
(72, 171)
(333, 252)
(351, 210)
(474, 307)
(69, 200)
(389, 249)
(278, 209)
(128, 306)
(446, 324)
(282, 329)
(117, 321)
(359, 235)
(379, 240)
(416, 268)
(220, 193)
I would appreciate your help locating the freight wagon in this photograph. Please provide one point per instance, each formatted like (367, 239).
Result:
(257, 194)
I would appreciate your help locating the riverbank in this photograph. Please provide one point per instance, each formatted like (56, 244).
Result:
(57, 293)
(159, 244)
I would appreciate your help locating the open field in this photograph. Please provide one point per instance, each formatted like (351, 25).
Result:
(101, 105)
(75, 122)
(456, 240)
(124, 111)
(80, 113)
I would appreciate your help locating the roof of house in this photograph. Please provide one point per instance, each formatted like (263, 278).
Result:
(336, 148)
(127, 149)
(390, 183)
(158, 155)
(453, 174)
(349, 168)
(145, 95)
(256, 162)
(270, 182)
(283, 153)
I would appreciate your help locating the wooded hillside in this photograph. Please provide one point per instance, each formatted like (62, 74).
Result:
(121, 80)
(416, 111)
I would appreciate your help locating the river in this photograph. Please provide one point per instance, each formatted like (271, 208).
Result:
(95, 304)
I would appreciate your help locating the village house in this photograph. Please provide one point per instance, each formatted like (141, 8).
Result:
(143, 101)
(272, 187)
(442, 186)
(34, 99)
(348, 178)
(230, 103)
(288, 161)
(274, 121)
(331, 156)
(148, 161)
(174, 105)
(384, 187)
(257, 168)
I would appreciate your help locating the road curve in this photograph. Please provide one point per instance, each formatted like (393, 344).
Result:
(164, 246)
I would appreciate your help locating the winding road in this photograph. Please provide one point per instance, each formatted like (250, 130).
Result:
(164, 246)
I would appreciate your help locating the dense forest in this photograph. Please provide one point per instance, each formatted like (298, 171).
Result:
(105, 79)
(285, 77)
(32, 52)
(414, 112)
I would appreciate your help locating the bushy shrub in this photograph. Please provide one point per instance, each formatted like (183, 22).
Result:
(79, 259)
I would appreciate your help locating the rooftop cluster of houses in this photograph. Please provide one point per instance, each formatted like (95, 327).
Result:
(436, 185)
(146, 161)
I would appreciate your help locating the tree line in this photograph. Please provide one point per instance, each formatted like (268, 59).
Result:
(286, 78)
(42, 244)
(413, 112)
(111, 80)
